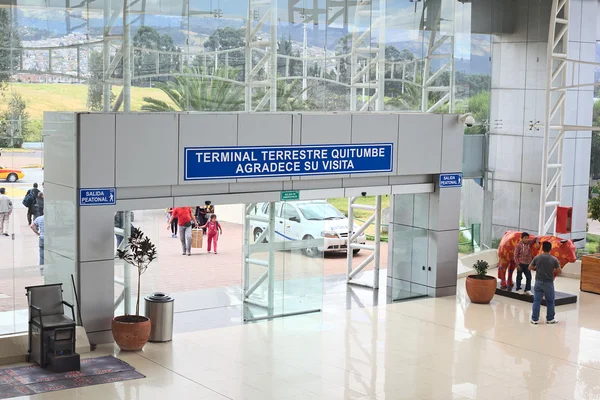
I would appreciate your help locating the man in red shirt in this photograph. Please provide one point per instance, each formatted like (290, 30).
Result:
(523, 258)
(184, 218)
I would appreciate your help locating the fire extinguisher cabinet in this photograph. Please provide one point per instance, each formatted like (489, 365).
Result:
(564, 217)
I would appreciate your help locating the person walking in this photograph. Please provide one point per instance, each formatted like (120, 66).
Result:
(6, 208)
(523, 258)
(214, 229)
(185, 218)
(38, 207)
(38, 228)
(173, 222)
(201, 217)
(544, 265)
(29, 202)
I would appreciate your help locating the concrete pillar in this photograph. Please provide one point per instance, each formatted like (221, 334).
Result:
(424, 229)
(423, 236)
(518, 102)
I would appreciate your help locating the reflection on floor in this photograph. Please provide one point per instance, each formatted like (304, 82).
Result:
(436, 349)
(222, 307)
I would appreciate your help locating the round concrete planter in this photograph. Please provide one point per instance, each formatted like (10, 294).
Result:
(131, 333)
(481, 290)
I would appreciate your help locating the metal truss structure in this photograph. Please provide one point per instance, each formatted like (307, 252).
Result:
(353, 236)
(254, 245)
(368, 68)
(555, 124)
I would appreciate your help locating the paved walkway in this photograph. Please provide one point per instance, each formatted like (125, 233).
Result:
(171, 272)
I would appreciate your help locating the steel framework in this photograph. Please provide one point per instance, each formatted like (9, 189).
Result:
(557, 66)
(353, 235)
(369, 70)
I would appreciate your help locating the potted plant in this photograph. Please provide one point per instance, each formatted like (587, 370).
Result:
(131, 332)
(481, 287)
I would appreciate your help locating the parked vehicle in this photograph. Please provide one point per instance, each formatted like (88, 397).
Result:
(307, 220)
(11, 175)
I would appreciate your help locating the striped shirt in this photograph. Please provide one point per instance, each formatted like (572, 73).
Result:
(523, 253)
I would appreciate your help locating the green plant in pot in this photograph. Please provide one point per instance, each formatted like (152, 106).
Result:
(131, 332)
(480, 286)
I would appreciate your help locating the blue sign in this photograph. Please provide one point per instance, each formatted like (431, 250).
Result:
(97, 197)
(202, 163)
(451, 180)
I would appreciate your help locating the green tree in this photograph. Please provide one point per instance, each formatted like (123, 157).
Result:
(153, 53)
(394, 89)
(594, 207)
(225, 39)
(476, 83)
(285, 48)
(289, 97)
(479, 106)
(195, 91)
(14, 122)
(10, 44)
(95, 100)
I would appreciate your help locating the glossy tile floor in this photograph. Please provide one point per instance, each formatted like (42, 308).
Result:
(438, 349)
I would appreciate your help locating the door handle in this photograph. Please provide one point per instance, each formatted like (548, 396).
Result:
(429, 268)
(423, 268)
(281, 222)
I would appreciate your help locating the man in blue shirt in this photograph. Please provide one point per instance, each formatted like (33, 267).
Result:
(38, 228)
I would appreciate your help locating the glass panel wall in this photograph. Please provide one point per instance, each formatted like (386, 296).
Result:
(410, 271)
(284, 245)
(231, 55)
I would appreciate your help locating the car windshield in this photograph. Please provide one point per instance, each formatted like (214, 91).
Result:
(320, 211)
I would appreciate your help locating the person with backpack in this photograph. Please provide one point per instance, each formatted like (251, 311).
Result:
(29, 202)
(213, 227)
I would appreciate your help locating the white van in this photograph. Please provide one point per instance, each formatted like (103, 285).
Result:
(305, 220)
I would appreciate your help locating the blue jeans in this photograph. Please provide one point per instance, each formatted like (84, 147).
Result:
(543, 288)
(41, 244)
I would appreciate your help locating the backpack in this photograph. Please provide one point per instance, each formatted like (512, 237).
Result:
(29, 199)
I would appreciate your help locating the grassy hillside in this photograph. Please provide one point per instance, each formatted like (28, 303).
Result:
(65, 97)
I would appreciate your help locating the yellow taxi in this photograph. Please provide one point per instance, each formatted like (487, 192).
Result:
(10, 175)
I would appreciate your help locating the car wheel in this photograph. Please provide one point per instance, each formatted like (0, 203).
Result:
(257, 233)
(310, 251)
(355, 251)
(12, 178)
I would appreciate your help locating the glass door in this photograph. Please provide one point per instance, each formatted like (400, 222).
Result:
(282, 259)
(410, 268)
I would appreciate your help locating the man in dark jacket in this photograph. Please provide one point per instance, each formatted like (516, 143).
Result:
(31, 208)
(38, 207)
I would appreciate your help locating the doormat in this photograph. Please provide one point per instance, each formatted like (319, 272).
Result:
(30, 380)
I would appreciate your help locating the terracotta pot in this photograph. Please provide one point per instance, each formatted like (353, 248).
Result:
(130, 332)
(481, 290)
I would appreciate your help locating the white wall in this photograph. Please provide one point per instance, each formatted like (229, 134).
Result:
(141, 154)
(518, 97)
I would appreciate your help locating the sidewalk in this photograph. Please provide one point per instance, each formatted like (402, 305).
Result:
(171, 272)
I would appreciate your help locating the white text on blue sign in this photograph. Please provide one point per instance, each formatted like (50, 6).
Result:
(203, 163)
(451, 180)
(97, 197)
